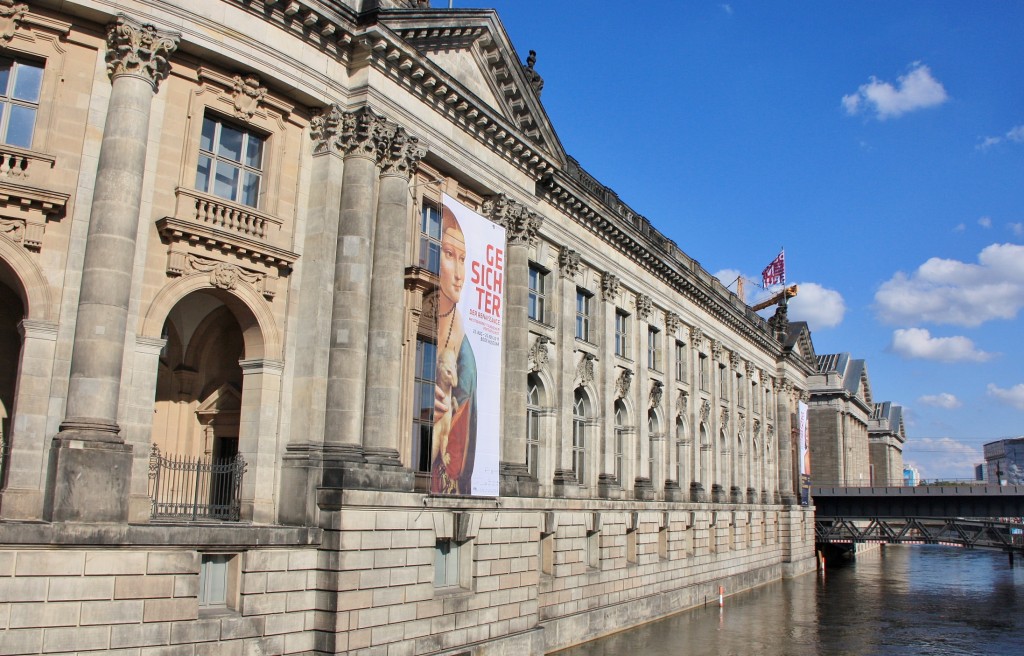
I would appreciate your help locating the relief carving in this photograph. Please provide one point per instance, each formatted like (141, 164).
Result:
(398, 154)
(623, 382)
(568, 262)
(643, 306)
(705, 411)
(682, 405)
(538, 356)
(11, 16)
(222, 275)
(610, 286)
(585, 370)
(140, 50)
(672, 322)
(247, 94)
(696, 336)
(657, 392)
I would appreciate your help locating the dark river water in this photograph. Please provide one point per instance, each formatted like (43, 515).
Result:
(898, 600)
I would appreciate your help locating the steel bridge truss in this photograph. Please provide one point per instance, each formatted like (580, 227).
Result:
(956, 531)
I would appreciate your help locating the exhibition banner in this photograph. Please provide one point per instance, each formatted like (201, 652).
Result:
(467, 410)
(805, 452)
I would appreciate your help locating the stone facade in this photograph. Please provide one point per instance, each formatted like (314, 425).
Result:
(212, 245)
(886, 436)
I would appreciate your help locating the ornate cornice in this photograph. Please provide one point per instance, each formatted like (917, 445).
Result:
(139, 50)
(568, 262)
(522, 225)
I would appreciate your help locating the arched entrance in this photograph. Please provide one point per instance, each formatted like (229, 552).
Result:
(10, 358)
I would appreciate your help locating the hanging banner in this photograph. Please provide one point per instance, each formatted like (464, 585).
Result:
(805, 452)
(467, 405)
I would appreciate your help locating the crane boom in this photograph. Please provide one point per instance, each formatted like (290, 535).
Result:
(790, 292)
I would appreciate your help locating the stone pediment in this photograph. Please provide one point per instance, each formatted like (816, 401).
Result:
(472, 48)
(225, 400)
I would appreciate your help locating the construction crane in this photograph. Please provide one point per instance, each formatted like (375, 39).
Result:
(788, 292)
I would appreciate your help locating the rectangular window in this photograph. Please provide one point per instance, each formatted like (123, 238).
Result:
(423, 404)
(654, 349)
(20, 83)
(430, 238)
(723, 382)
(702, 363)
(446, 564)
(537, 302)
(681, 356)
(579, 446)
(740, 396)
(584, 303)
(218, 580)
(621, 333)
(230, 162)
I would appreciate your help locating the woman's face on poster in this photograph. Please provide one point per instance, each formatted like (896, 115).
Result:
(453, 263)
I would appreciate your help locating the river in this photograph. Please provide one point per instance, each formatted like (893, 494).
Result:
(894, 601)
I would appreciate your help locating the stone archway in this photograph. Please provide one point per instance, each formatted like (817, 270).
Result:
(10, 364)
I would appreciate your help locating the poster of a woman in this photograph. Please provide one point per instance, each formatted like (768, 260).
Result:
(464, 456)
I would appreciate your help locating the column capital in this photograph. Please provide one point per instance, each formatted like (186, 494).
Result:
(522, 225)
(398, 154)
(139, 50)
(672, 323)
(568, 262)
(643, 306)
(610, 284)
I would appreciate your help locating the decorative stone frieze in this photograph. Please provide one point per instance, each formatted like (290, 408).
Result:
(622, 383)
(522, 225)
(568, 262)
(610, 284)
(223, 275)
(585, 369)
(139, 50)
(538, 356)
(672, 323)
(643, 306)
(657, 392)
(11, 16)
(705, 411)
(246, 95)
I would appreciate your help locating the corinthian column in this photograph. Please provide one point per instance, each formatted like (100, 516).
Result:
(785, 442)
(90, 480)
(521, 229)
(398, 156)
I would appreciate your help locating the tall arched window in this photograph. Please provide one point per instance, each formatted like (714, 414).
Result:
(533, 403)
(682, 455)
(579, 434)
(653, 429)
(620, 439)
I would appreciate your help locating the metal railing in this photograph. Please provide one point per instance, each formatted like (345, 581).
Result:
(195, 488)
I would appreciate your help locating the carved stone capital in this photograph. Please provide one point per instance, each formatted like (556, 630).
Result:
(643, 306)
(696, 336)
(751, 370)
(735, 361)
(585, 370)
(11, 16)
(360, 133)
(246, 95)
(622, 383)
(610, 284)
(568, 262)
(522, 225)
(672, 322)
(717, 349)
(765, 379)
(398, 154)
(538, 356)
(757, 427)
(139, 50)
(325, 129)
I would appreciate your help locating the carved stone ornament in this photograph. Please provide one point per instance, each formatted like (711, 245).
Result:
(657, 392)
(804, 395)
(139, 50)
(568, 262)
(522, 225)
(751, 370)
(765, 379)
(769, 436)
(532, 76)
(325, 128)
(672, 322)
(705, 410)
(610, 284)
(696, 336)
(716, 350)
(246, 95)
(724, 419)
(538, 357)
(623, 382)
(222, 275)
(359, 133)
(398, 154)
(757, 427)
(585, 370)
(682, 405)
(643, 306)
(735, 361)
(10, 16)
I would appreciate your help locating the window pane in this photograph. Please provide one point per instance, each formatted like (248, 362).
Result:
(203, 173)
(27, 80)
(251, 190)
(5, 75)
(225, 184)
(254, 152)
(206, 139)
(230, 143)
(19, 126)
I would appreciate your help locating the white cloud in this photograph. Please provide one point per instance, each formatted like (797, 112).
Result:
(1013, 396)
(960, 227)
(1016, 228)
(988, 142)
(915, 90)
(1016, 133)
(952, 292)
(727, 8)
(985, 222)
(943, 400)
(941, 457)
(818, 306)
(918, 343)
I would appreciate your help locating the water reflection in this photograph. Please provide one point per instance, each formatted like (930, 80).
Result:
(924, 601)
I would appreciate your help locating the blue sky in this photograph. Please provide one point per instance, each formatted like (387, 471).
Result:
(880, 143)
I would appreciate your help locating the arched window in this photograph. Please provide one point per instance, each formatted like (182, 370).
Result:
(620, 439)
(579, 434)
(682, 460)
(533, 403)
(653, 429)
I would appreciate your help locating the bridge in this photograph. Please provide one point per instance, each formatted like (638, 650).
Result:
(982, 516)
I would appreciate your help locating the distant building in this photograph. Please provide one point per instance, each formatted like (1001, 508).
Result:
(840, 407)
(1004, 461)
(911, 476)
(886, 436)
(980, 472)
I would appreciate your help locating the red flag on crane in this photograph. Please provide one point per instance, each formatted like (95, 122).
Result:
(775, 272)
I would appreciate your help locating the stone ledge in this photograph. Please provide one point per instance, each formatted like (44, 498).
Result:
(152, 535)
